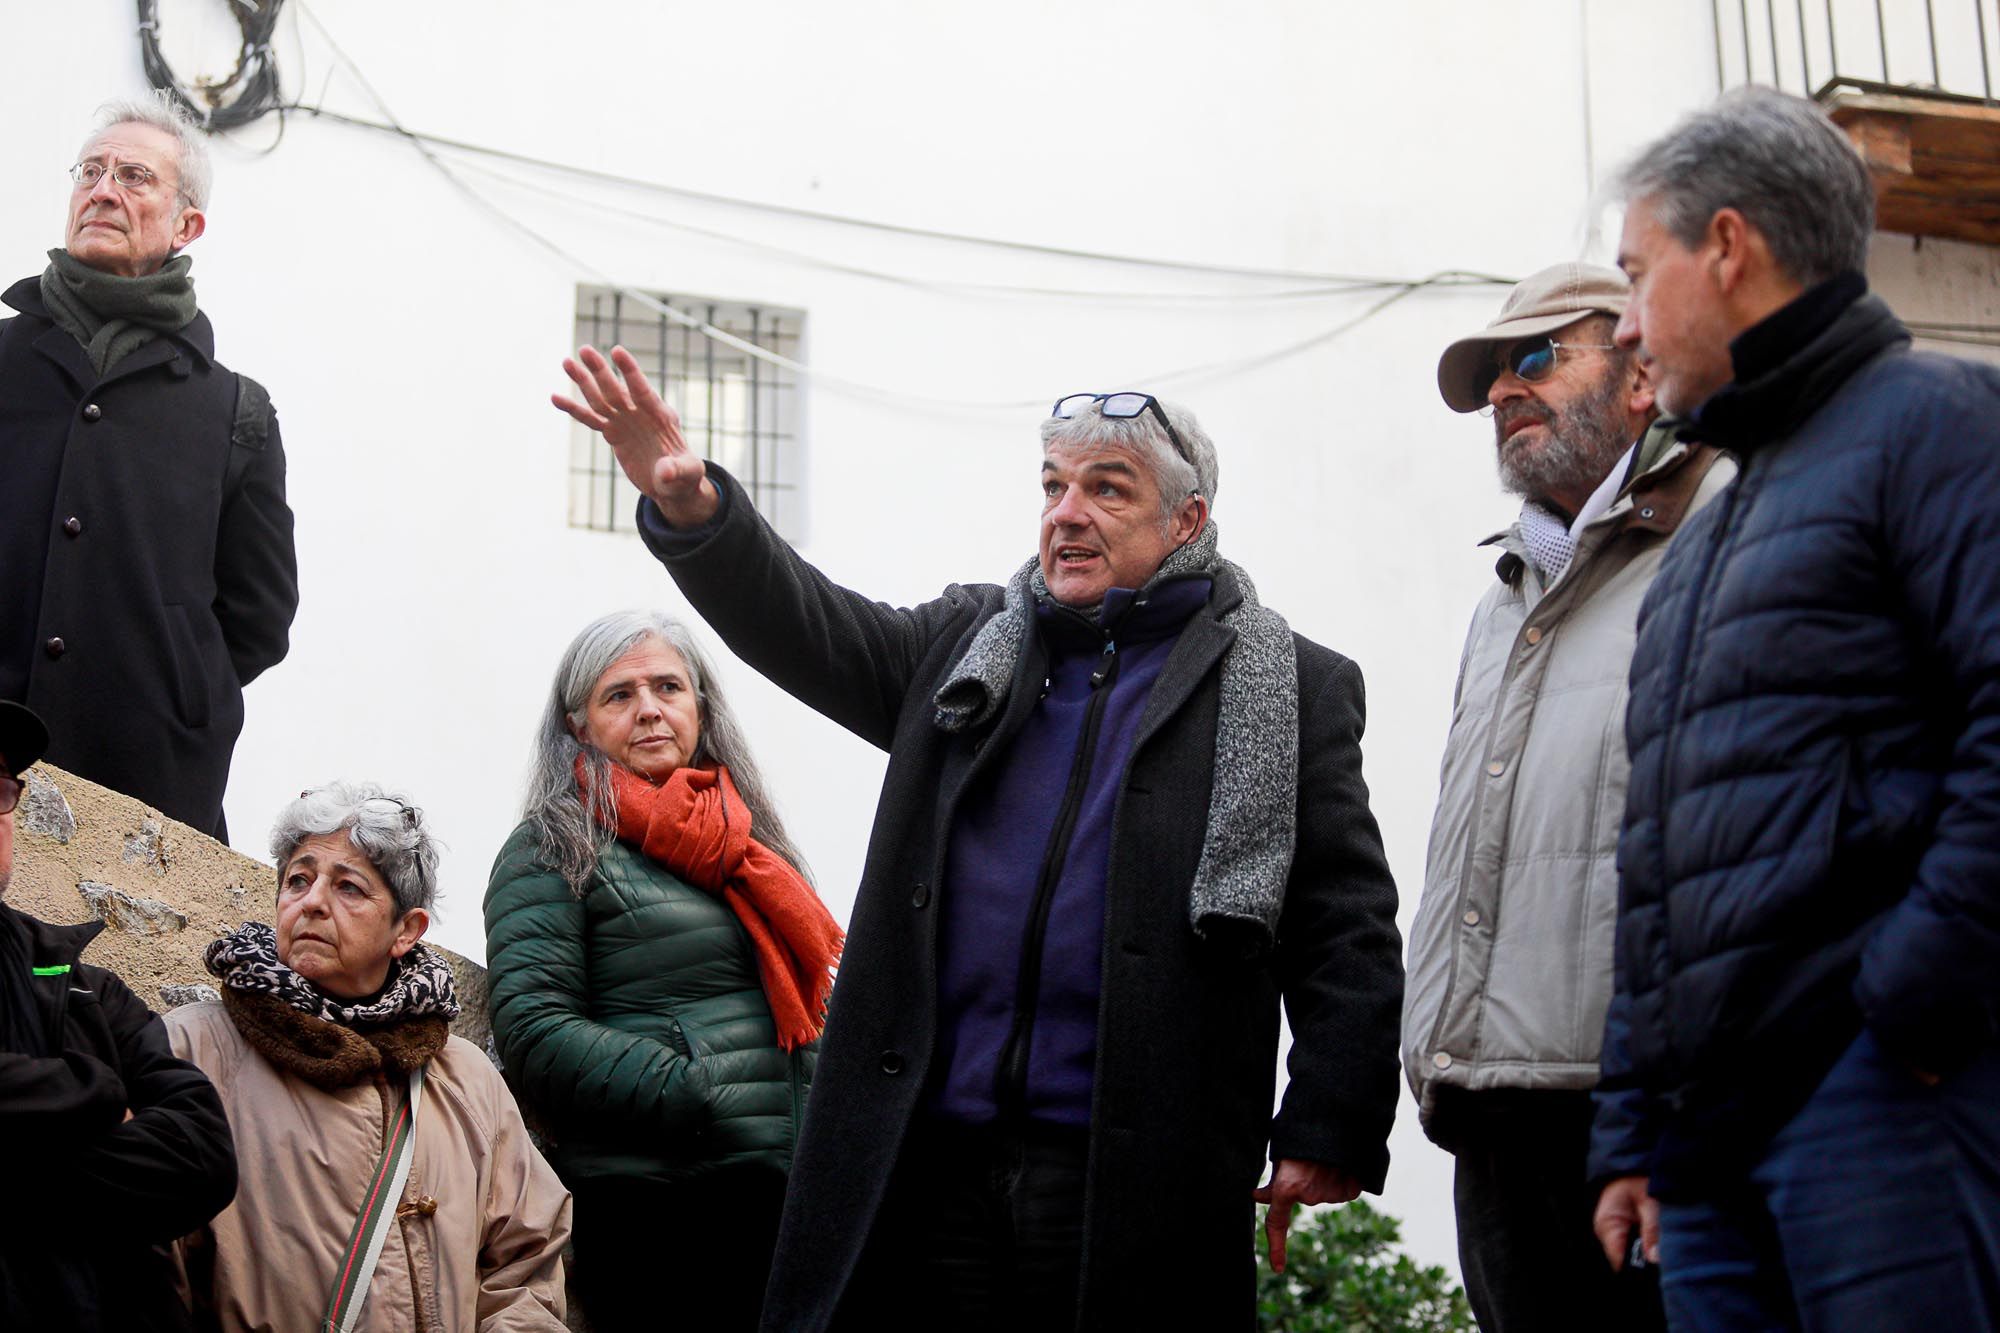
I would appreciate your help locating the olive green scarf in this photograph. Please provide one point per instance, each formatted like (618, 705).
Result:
(112, 316)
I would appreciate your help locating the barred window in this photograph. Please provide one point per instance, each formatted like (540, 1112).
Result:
(738, 410)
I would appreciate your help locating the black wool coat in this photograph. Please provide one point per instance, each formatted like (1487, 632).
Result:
(1187, 1033)
(93, 1197)
(149, 555)
(1812, 835)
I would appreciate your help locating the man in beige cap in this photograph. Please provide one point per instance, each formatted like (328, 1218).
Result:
(1510, 955)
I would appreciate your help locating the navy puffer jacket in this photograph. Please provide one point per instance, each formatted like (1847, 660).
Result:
(1812, 835)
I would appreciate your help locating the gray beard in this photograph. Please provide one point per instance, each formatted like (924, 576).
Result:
(1585, 440)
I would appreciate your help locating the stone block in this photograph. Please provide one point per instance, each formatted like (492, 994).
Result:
(150, 846)
(133, 915)
(44, 810)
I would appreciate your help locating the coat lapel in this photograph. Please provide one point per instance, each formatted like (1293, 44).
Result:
(159, 352)
(963, 760)
(1200, 646)
(67, 353)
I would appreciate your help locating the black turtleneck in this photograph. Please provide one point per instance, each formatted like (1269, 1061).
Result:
(1770, 342)
(1793, 360)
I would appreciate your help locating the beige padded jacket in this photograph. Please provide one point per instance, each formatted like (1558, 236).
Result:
(480, 1229)
(1510, 955)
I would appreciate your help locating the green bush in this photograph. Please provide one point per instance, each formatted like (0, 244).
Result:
(1343, 1275)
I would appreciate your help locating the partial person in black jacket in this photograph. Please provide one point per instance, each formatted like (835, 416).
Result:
(114, 1147)
(143, 527)
(1123, 818)
(1800, 1054)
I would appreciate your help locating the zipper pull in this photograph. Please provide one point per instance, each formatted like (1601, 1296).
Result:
(1105, 664)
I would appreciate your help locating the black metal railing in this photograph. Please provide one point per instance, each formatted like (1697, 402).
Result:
(1926, 48)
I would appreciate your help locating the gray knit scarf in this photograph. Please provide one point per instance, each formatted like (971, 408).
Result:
(112, 316)
(1246, 851)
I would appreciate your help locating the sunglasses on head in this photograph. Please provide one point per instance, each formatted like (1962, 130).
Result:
(1534, 360)
(1122, 406)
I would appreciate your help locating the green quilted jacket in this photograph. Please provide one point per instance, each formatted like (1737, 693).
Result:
(632, 1024)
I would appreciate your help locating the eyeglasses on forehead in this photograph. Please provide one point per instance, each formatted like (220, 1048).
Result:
(412, 815)
(1123, 405)
(1534, 359)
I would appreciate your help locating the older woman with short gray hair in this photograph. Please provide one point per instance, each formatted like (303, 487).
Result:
(383, 1161)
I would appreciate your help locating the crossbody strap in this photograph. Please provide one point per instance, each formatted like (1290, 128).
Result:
(378, 1207)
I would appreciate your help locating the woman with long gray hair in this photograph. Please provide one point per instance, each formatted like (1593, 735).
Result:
(660, 967)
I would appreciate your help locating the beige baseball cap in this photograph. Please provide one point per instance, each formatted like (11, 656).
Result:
(1557, 296)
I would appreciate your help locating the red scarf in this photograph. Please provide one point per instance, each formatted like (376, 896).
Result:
(696, 825)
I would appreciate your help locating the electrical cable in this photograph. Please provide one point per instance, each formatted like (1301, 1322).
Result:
(255, 76)
(957, 288)
(869, 224)
(424, 145)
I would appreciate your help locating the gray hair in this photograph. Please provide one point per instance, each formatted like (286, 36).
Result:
(191, 150)
(574, 824)
(1088, 430)
(1778, 161)
(384, 826)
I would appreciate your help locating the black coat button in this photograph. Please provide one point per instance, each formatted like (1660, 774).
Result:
(73, 525)
(920, 896)
(55, 647)
(892, 1062)
(91, 412)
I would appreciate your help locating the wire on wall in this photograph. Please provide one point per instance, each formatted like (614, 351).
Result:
(256, 72)
(251, 89)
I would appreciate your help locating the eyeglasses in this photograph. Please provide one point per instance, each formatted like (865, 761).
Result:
(1123, 405)
(10, 793)
(412, 815)
(1534, 360)
(130, 176)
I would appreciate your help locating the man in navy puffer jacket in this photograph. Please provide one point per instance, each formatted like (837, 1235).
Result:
(1800, 1054)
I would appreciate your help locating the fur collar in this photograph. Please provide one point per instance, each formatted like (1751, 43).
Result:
(328, 1055)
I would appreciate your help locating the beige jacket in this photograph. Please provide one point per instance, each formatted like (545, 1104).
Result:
(482, 1222)
(1510, 954)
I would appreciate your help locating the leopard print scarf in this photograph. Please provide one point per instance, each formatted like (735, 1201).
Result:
(419, 984)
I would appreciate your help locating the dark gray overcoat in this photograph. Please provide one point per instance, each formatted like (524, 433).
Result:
(1187, 1036)
(147, 554)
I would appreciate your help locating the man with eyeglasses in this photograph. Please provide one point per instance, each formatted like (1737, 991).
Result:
(1123, 818)
(144, 532)
(114, 1147)
(1510, 954)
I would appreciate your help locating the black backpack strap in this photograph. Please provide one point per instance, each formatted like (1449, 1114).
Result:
(251, 428)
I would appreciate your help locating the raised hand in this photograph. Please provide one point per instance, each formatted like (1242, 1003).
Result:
(643, 432)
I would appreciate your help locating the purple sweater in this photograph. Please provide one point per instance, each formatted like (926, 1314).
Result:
(1021, 932)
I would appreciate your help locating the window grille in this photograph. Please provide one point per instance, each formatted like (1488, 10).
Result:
(734, 408)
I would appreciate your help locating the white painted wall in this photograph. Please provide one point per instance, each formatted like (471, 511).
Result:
(410, 338)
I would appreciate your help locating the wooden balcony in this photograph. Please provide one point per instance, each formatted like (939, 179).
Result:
(1935, 157)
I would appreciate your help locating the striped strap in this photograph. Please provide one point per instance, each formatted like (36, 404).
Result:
(371, 1228)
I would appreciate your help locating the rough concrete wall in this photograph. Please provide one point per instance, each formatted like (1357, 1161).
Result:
(82, 851)
(1940, 282)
